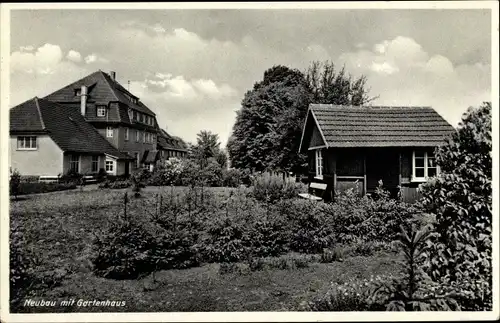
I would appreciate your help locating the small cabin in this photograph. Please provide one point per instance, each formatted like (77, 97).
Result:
(358, 146)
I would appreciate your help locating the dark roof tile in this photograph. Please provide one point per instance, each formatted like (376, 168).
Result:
(353, 126)
(64, 124)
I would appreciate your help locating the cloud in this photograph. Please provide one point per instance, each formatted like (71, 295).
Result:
(28, 48)
(74, 56)
(42, 61)
(401, 72)
(94, 58)
(187, 106)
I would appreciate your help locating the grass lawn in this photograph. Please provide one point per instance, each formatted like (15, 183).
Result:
(59, 226)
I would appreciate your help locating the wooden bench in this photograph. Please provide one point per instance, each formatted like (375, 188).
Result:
(89, 179)
(48, 179)
(317, 189)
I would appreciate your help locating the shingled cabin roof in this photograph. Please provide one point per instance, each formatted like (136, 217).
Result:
(365, 126)
(65, 125)
(169, 142)
(102, 89)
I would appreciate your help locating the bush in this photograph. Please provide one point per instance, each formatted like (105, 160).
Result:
(15, 183)
(271, 188)
(33, 188)
(71, 176)
(122, 252)
(167, 172)
(101, 175)
(310, 229)
(460, 198)
(331, 255)
(231, 177)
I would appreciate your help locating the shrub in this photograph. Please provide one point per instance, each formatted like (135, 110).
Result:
(309, 228)
(231, 177)
(413, 290)
(101, 175)
(21, 270)
(460, 198)
(226, 241)
(122, 252)
(33, 188)
(167, 172)
(72, 176)
(270, 188)
(15, 183)
(331, 255)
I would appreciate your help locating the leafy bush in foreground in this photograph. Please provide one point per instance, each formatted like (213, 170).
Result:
(460, 198)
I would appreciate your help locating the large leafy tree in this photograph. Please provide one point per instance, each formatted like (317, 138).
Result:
(461, 200)
(268, 128)
(207, 148)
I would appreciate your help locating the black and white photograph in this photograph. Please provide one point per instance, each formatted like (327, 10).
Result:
(249, 161)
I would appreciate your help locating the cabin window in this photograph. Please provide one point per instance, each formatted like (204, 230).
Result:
(109, 132)
(126, 133)
(27, 143)
(101, 111)
(74, 163)
(424, 166)
(95, 164)
(319, 163)
(110, 166)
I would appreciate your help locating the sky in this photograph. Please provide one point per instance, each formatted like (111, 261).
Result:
(193, 67)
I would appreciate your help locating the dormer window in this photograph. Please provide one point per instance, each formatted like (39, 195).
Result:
(101, 110)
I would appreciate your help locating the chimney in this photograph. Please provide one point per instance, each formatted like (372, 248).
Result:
(113, 75)
(83, 100)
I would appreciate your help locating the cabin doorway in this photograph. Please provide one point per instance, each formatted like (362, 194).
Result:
(382, 164)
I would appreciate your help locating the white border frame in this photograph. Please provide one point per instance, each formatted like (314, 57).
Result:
(242, 316)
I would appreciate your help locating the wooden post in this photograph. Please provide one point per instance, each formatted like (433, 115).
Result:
(364, 173)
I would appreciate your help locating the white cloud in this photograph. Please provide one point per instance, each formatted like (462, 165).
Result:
(94, 58)
(28, 48)
(42, 61)
(401, 72)
(74, 56)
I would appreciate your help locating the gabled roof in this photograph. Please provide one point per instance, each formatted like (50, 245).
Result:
(65, 125)
(102, 89)
(169, 142)
(355, 126)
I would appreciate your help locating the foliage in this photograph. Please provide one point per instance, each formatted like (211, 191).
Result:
(119, 184)
(270, 188)
(34, 188)
(231, 177)
(15, 183)
(101, 175)
(460, 198)
(72, 176)
(167, 172)
(414, 290)
(330, 255)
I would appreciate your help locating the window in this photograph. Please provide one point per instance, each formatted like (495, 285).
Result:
(126, 133)
(319, 163)
(130, 114)
(424, 166)
(101, 110)
(137, 134)
(74, 163)
(144, 136)
(26, 143)
(109, 132)
(141, 117)
(110, 166)
(95, 164)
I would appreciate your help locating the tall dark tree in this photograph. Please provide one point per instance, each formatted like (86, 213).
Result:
(268, 128)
